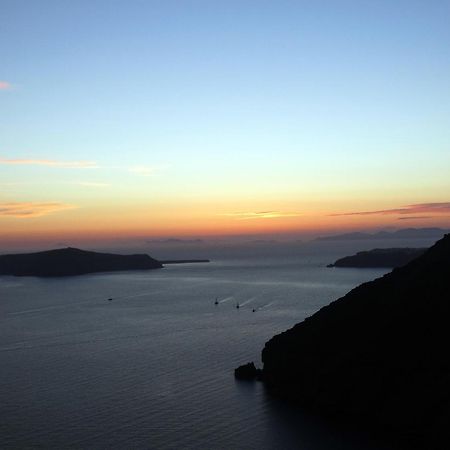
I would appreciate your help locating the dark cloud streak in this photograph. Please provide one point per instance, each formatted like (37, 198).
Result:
(414, 217)
(419, 208)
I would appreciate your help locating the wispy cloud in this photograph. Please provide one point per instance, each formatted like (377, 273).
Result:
(5, 86)
(420, 208)
(32, 209)
(414, 218)
(141, 170)
(50, 163)
(260, 215)
(146, 171)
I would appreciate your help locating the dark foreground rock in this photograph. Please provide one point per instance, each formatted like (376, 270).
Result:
(380, 354)
(248, 372)
(380, 257)
(72, 261)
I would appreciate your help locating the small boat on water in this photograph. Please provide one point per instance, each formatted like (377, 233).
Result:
(109, 299)
(216, 302)
(237, 305)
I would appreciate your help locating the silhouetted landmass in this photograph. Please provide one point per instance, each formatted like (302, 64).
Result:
(405, 233)
(380, 257)
(185, 261)
(346, 236)
(247, 372)
(72, 261)
(379, 354)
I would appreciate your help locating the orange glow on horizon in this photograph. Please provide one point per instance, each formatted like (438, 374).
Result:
(224, 218)
(214, 227)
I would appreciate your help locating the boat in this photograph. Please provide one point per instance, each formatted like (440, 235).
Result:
(216, 302)
(237, 305)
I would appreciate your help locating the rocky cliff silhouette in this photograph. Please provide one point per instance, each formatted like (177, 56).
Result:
(379, 354)
(72, 261)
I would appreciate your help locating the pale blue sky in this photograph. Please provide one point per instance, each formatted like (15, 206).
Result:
(285, 97)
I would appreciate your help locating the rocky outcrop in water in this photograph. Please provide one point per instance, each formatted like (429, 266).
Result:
(248, 372)
(72, 261)
(379, 354)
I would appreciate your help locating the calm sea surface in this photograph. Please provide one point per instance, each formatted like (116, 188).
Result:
(153, 368)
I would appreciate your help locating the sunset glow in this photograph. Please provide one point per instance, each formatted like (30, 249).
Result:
(298, 122)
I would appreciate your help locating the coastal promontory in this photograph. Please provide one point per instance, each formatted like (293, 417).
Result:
(72, 261)
(379, 354)
(380, 257)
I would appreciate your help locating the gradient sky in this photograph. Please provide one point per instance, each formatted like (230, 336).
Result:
(163, 118)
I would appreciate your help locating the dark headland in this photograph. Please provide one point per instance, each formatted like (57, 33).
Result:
(72, 261)
(379, 355)
(380, 257)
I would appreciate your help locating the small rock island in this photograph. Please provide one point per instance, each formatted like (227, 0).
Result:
(379, 355)
(380, 258)
(248, 372)
(72, 261)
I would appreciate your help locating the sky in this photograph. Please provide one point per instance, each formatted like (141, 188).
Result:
(206, 118)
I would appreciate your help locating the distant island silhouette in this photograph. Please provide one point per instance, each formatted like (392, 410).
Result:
(404, 233)
(378, 355)
(379, 257)
(72, 261)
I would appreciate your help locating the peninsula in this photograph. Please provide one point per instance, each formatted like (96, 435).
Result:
(380, 257)
(377, 355)
(72, 261)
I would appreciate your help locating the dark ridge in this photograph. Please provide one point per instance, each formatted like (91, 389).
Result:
(72, 261)
(380, 257)
(380, 354)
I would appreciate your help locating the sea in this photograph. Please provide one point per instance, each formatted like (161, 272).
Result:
(146, 359)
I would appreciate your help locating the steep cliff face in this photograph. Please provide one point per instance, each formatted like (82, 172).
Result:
(380, 353)
(72, 261)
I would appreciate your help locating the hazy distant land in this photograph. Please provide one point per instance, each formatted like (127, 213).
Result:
(404, 233)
